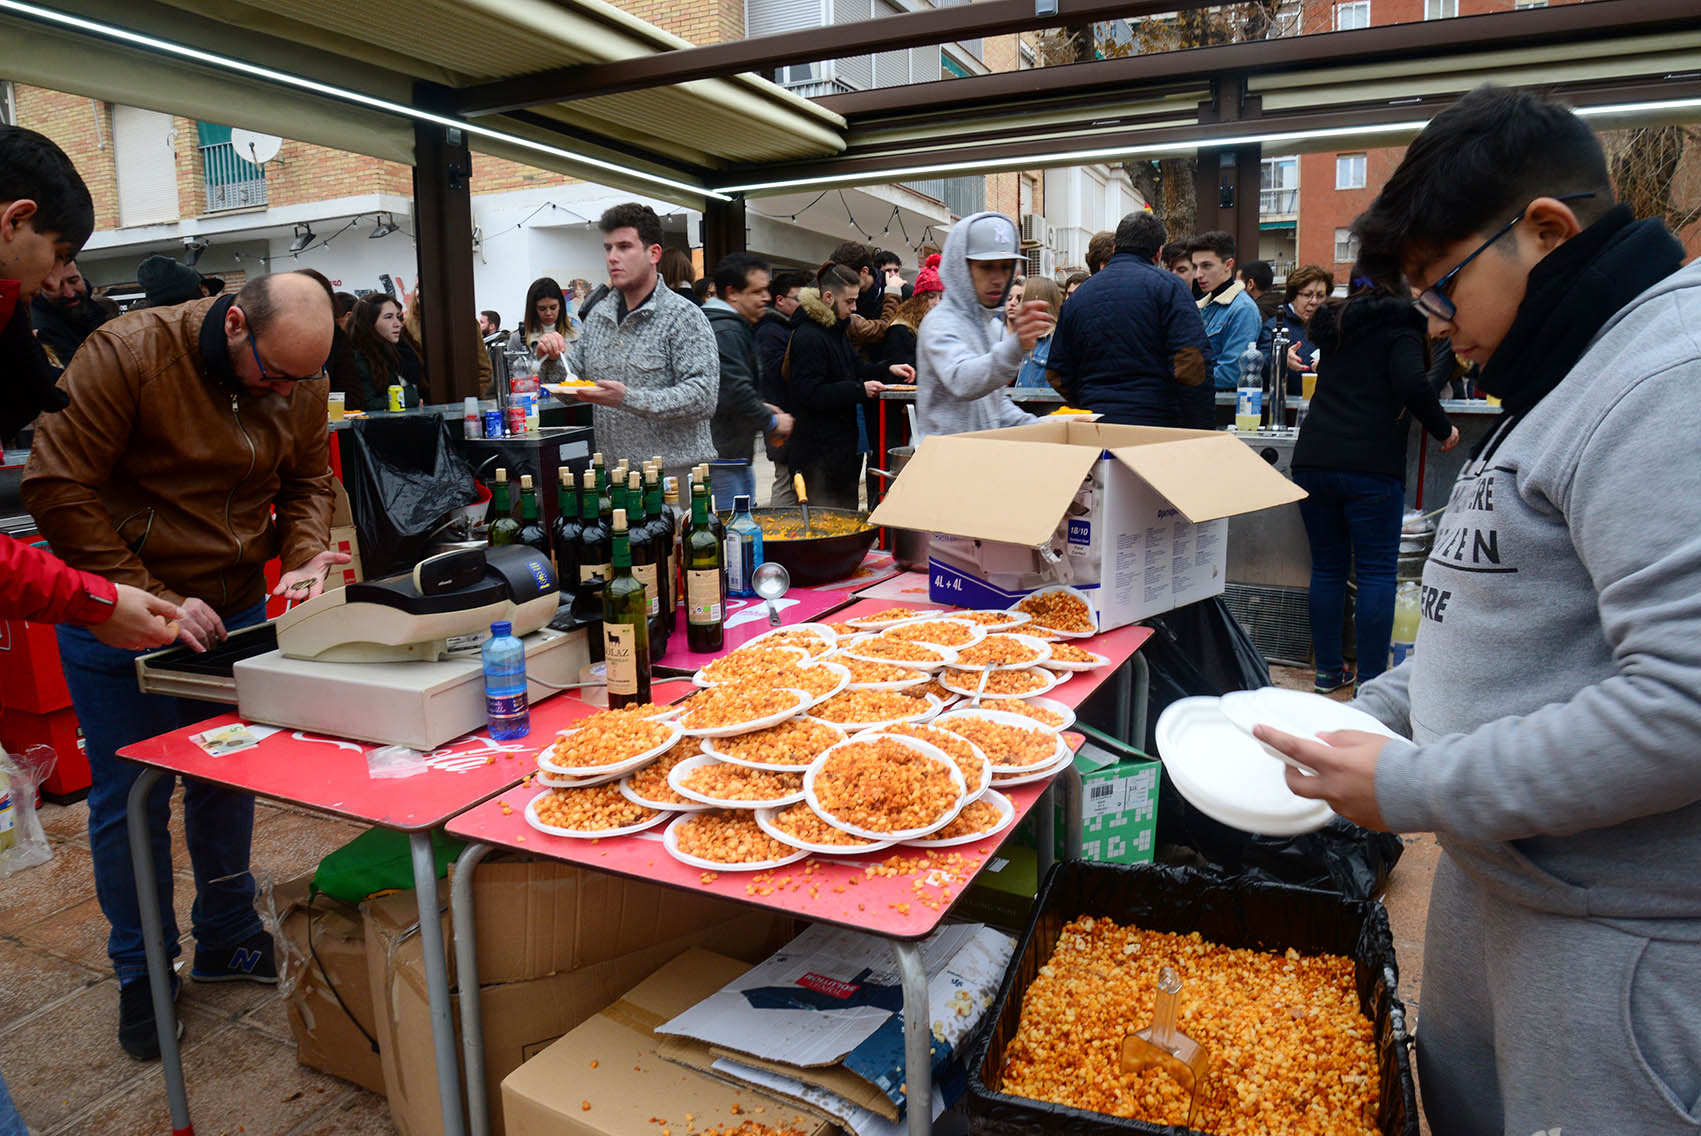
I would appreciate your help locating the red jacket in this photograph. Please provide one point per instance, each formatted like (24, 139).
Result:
(36, 585)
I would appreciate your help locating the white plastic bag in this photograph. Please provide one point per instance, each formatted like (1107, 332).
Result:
(24, 774)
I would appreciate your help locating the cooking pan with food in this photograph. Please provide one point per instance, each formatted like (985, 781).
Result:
(831, 549)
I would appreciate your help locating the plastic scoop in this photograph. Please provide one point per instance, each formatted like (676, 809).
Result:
(802, 499)
(1162, 1046)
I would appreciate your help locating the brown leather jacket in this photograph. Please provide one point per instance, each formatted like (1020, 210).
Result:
(165, 476)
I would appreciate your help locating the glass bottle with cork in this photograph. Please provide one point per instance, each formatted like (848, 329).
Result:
(657, 517)
(532, 532)
(504, 529)
(705, 578)
(625, 625)
(646, 560)
(594, 548)
(564, 535)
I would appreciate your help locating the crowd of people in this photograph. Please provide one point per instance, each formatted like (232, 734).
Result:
(1552, 712)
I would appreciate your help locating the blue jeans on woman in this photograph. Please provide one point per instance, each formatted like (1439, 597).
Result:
(11, 1124)
(730, 479)
(218, 823)
(1352, 517)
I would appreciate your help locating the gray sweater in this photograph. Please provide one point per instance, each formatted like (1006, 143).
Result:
(1555, 696)
(665, 353)
(961, 366)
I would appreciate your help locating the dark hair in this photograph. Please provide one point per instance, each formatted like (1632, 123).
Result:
(1099, 250)
(32, 167)
(732, 274)
(1075, 278)
(633, 216)
(342, 303)
(1176, 251)
(492, 318)
(676, 268)
(884, 257)
(1259, 273)
(1306, 275)
(836, 277)
(1476, 164)
(1216, 241)
(544, 288)
(1141, 234)
(382, 357)
(785, 280)
(700, 288)
(853, 256)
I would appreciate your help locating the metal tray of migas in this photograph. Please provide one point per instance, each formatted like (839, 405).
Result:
(206, 676)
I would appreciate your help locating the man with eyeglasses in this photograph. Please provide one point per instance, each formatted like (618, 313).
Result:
(1555, 696)
(194, 451)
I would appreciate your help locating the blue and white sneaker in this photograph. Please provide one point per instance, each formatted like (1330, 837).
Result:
(252, 960)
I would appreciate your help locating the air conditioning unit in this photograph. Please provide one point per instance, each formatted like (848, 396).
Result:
(1041, 262)
(1034, 229)
(1053, 237)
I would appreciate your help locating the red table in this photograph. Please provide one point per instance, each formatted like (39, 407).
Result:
(747, 618)
(835, 890)
(330, 775)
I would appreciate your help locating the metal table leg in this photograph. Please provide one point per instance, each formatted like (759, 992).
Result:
(461, 916)
(918, 1039)
(1141, 700)
(1125, 698)
(1072, 807)
(1045, 828)
(437, 984)
(153, 941)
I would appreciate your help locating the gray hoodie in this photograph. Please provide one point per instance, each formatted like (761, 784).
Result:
(1555, 696)
(961, 365)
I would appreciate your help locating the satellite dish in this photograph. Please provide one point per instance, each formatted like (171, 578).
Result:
(255, 147)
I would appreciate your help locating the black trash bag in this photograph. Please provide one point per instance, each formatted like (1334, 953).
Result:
(1201, 649)
(406, 474)
(1238, 912)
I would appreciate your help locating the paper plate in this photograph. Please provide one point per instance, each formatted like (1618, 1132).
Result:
(853, 650)
(709, 750)
(1050, 769)
(765, 818)
(1067, 713)
(633, 795)
(934, 705)
(670, 841)
(967, 683)
(971, 792)
(804, 700)
(626, 765)
(838, 669)
(582, 834)
(556, 782)
(933, 753)
(819, 630)
(1056, 664)
(1298, 712)
(1006, 814)
(1226, 773)
(1078, 594)
(702, 679)
(916, 679)
(566, 389)
(679, 772)
(1004, 717)
(975, 630)
(863, 624)
(1041, 649)
(1011, 620)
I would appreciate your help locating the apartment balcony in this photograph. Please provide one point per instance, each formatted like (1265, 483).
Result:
(1278, 204)
(230, 180)
(961, 195)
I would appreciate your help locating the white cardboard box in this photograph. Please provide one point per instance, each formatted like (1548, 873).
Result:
(1135, 517)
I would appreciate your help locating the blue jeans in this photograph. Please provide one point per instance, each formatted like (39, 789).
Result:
(11, 1124)
(728, 479)
(218, 823)
(1352, 517)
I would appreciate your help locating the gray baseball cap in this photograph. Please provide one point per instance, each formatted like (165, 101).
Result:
(991, 237)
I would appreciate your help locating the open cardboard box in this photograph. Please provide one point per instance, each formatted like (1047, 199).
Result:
(1134, 517)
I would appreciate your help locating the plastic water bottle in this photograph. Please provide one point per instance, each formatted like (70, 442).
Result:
(1249, 396)
(743, 548)
(505, 683)
(1406, 618)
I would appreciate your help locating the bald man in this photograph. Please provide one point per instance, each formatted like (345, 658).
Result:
(193, 452)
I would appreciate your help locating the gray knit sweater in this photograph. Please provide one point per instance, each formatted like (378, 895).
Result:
(664, 351)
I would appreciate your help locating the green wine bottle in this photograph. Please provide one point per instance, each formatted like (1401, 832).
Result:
(625, 626)
(705, 609)
(532, 532)
(594, 554)
(504, 529)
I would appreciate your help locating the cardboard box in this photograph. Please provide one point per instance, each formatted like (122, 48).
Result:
(1119, 809)
(1002, 895)
(609, 950)
(343, 539)
(1135, 517)
(31, 677)
(644, 1094)
(330, 1002)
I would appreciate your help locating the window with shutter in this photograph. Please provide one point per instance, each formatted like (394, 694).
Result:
(771, 17)
(146, 166)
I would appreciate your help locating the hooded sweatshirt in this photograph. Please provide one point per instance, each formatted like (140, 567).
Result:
(962, 364)
(1555, 697)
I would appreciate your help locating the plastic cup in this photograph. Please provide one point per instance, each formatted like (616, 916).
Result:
(1308, 385)
(337, 405)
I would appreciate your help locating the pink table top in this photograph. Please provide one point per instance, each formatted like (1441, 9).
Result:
(1118, 646)
(748, 618)
(330, 774)
(831, 889)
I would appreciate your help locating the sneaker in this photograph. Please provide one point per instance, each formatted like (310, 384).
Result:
(251, 960)
(1328, 682)
(137, 1031)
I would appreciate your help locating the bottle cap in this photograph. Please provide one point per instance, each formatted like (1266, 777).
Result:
(589, 479)
(501, 476)
(619, 519)
(525, 481)
(596, 458)
(565, 475)
(501, 627)
(740, 503)
(634, 480)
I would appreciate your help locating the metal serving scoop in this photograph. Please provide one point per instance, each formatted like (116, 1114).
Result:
(1162, 1046)
(771, 581)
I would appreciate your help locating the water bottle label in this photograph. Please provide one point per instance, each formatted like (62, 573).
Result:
(734, 557)
(620, 654)
(703, 595)
(646, 574)
(1250, 402)
(500, 707)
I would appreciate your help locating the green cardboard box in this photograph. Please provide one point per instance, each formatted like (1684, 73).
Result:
(1003, 892)
(1119, 809)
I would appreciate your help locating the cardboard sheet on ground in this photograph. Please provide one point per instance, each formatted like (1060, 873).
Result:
(859, 1120)
(833, 996)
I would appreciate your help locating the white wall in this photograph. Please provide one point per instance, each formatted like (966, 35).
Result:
(354, 261)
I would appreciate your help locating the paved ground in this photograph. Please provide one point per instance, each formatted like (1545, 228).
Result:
(59, 1002)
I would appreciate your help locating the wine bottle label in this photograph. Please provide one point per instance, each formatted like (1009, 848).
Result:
(587, 571)
(646, 574)
(620, 654)
(703, 595)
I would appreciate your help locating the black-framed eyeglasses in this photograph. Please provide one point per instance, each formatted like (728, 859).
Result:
(267, 377)
(1433, 301)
